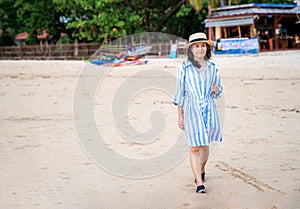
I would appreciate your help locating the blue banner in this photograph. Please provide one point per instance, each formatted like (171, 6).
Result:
(173, 51)
(236, 46)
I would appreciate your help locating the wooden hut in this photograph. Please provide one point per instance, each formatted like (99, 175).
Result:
(279, 23)
(21, 38)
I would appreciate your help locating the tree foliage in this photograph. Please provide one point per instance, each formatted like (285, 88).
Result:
(8, 22)
(31, 16)
(97, 20)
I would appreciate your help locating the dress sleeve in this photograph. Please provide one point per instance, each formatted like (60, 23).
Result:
(218, 83)
(178, 98)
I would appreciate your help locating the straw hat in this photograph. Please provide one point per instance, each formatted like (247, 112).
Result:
(198, 37)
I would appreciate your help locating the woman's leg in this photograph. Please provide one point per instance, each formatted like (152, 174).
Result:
(203, 154)
(195, 164)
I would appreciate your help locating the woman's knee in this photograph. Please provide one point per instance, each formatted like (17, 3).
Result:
(195, 149)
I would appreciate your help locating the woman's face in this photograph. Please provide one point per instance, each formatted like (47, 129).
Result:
(199, 50)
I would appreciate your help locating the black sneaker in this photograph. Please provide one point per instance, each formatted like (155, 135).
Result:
(201, 189)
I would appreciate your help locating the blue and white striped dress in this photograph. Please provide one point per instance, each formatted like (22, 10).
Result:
(194, 94)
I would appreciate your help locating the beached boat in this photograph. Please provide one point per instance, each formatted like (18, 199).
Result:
(128, 60)
(129, 57)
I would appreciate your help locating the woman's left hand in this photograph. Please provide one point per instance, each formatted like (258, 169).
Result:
(215, 88)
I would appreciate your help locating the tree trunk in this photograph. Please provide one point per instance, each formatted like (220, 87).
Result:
(165, 19)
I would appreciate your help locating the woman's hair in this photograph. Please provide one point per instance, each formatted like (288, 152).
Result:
(190, 55)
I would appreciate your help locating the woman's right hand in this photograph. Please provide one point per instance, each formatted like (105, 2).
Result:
(180, 122)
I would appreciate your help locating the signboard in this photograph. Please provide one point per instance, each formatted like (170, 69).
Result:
(236, 46)
(173, 51)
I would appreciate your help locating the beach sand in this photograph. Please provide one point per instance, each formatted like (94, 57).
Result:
(43, 164)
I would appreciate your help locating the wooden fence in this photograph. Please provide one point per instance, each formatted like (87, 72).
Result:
(81, 51)
(49, 52)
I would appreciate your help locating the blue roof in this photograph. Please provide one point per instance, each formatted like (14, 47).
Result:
(274, 5)
(256, 5)
(255, 9)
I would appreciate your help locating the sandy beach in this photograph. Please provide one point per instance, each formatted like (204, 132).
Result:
(44, 162)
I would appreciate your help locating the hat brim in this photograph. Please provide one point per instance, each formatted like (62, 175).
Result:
(209, 42)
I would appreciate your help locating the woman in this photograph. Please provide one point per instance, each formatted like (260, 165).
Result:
(198, 83)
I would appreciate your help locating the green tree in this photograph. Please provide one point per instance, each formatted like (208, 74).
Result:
(8, 22)
(95, 20)
(34, 16)
(187, 21)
